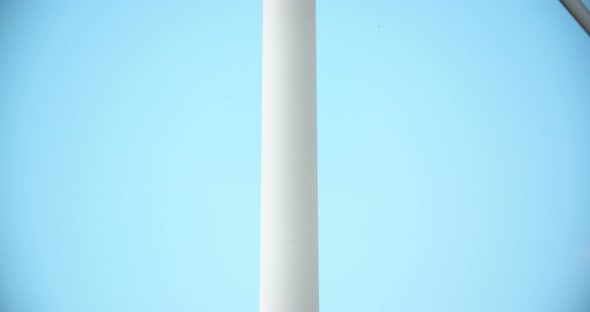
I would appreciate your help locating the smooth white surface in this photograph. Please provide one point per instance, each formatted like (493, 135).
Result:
(289, 223)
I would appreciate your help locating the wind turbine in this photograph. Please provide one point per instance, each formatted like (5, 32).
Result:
(289, 277)
(579, 11)
(289, 196)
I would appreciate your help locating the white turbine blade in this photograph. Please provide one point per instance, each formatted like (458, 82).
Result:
(579, 11)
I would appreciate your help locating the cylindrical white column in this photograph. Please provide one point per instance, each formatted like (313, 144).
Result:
(289, 217)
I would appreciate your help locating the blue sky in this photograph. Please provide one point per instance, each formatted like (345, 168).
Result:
(453, 156)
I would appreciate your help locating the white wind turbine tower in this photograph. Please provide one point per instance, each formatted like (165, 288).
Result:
(289, 215)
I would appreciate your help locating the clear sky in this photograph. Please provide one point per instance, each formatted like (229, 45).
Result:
(454, 151)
